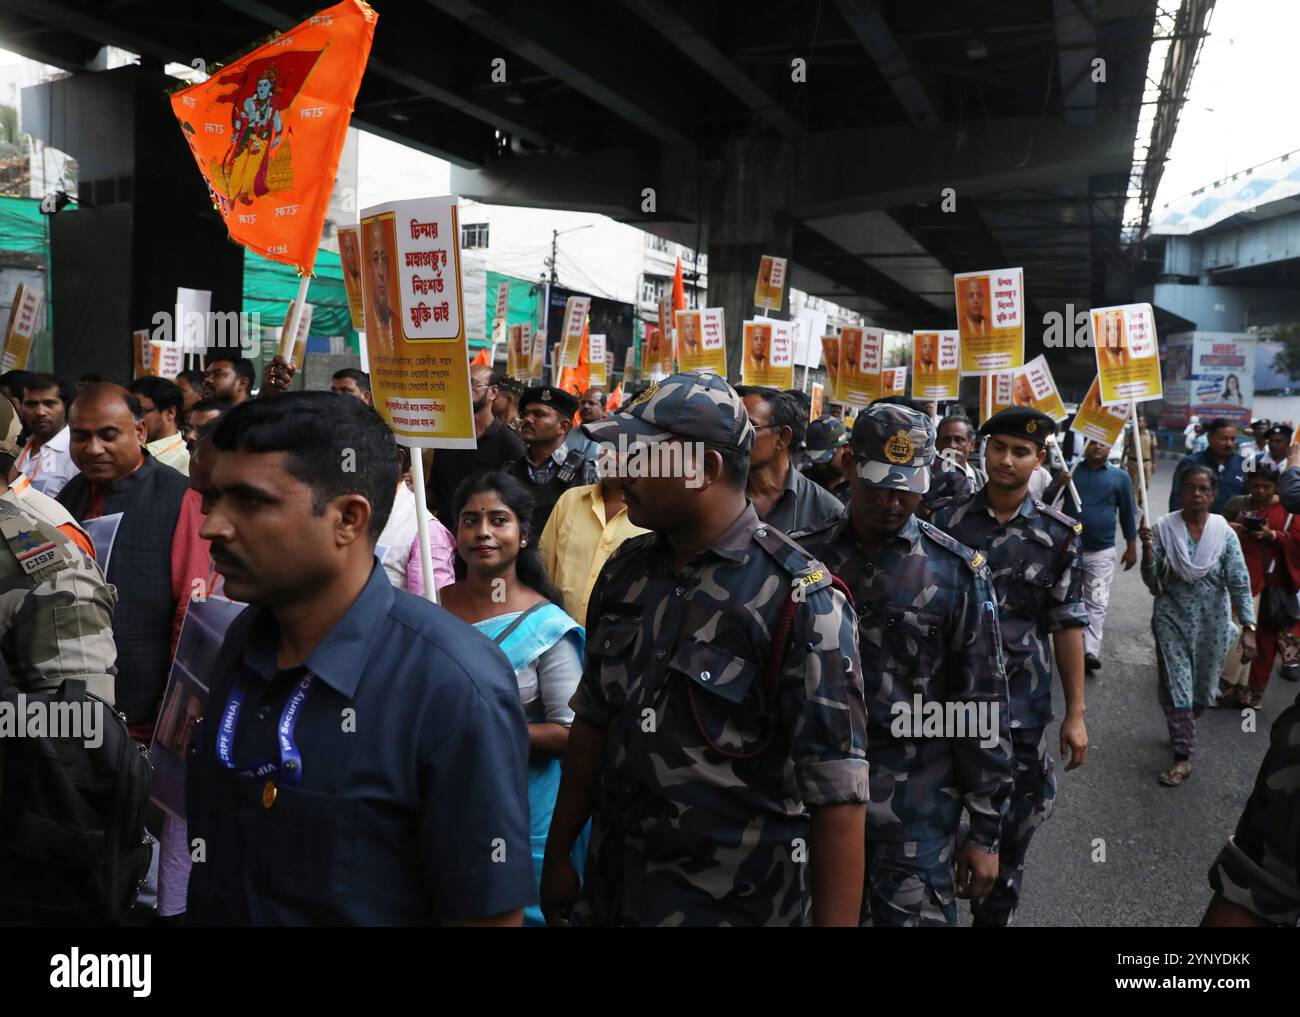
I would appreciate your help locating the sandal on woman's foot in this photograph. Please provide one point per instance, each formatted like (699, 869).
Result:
(1175, 775)
(1251, 698)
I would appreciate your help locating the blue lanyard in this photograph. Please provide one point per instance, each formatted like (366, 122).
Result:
(290, 763)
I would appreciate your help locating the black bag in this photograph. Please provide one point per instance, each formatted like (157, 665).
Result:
(72, 828)
(1279, 608)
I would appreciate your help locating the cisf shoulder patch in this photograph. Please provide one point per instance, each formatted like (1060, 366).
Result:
(32, 548)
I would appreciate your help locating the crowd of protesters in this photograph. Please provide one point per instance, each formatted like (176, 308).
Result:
(640, 699)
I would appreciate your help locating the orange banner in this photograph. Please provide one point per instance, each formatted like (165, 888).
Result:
(267, 130)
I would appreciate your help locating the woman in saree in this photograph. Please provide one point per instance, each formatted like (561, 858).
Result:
(507, 596)
(1192, 563)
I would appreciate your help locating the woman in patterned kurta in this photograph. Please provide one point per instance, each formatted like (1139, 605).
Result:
(1193, 565)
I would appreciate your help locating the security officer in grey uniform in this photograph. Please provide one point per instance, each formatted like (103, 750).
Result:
(719, 743)
(937, 726)
(1036, 557)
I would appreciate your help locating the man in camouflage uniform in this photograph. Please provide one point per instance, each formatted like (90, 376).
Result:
(927, 628)
(1035, 555)
(1256, 878)
(725, 786)
(56, 611)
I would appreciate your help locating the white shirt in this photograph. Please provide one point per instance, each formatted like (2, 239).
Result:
(51, 467)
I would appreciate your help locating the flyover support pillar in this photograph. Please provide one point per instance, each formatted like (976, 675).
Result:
(747, 185)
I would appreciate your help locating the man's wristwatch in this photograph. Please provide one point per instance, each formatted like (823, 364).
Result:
(1248, 626)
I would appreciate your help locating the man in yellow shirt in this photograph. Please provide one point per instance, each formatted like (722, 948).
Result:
(586, 526)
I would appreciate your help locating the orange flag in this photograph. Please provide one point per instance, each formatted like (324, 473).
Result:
(578, 379)
(615, 399)
(267, 131)
(679, 299)
(483, 358)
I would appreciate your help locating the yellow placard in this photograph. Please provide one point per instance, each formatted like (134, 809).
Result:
(991, 320)
(769, 289)
(140, 353)
(936, 365)
(537, 363)
(1128, 354)
(818, 401)
(861, 353)
(1034, 386)
(519, 350)
(702, 340)
(768, 359)
(831, 355)
(350, 257)
(415, 323)
(893, 381)
(24, 320)
(1098, 422)
(575, 323)
(597, 361)
(1001, 386)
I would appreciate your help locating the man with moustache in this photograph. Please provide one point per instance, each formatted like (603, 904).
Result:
(927, 626)
(363, 754)
(497, 445)
(228, 377)
(551, 463)
(1035, 555)
(157, 560)
(707, 751)
(45, 458)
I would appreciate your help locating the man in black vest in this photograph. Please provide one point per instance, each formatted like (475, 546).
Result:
(155, 555)
(549, 466)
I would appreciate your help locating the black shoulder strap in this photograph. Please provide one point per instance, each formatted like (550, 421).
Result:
(504, 634)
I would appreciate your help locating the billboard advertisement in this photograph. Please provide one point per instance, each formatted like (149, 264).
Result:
(1209, 374)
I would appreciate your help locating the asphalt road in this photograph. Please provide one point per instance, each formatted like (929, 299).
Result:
(1158, 842)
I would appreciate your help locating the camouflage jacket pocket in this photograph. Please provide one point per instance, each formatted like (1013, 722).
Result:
(725, 696)
(913, 642)
(612, 648)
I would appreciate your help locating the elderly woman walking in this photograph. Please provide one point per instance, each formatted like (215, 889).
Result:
(1193, 565)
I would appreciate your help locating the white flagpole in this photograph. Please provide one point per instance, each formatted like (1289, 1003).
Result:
(1142, 466)
(291, 326)
(422, 524)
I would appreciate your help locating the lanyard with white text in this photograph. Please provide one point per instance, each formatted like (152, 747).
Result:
(290, 764)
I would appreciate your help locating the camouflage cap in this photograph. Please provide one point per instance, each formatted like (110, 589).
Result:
(9, 427)
(698, 405)
(825, 435)
(894, 446)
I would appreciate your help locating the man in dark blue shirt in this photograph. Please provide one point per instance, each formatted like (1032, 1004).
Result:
(1222, 457)
(1104, 490)
(363, 754)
